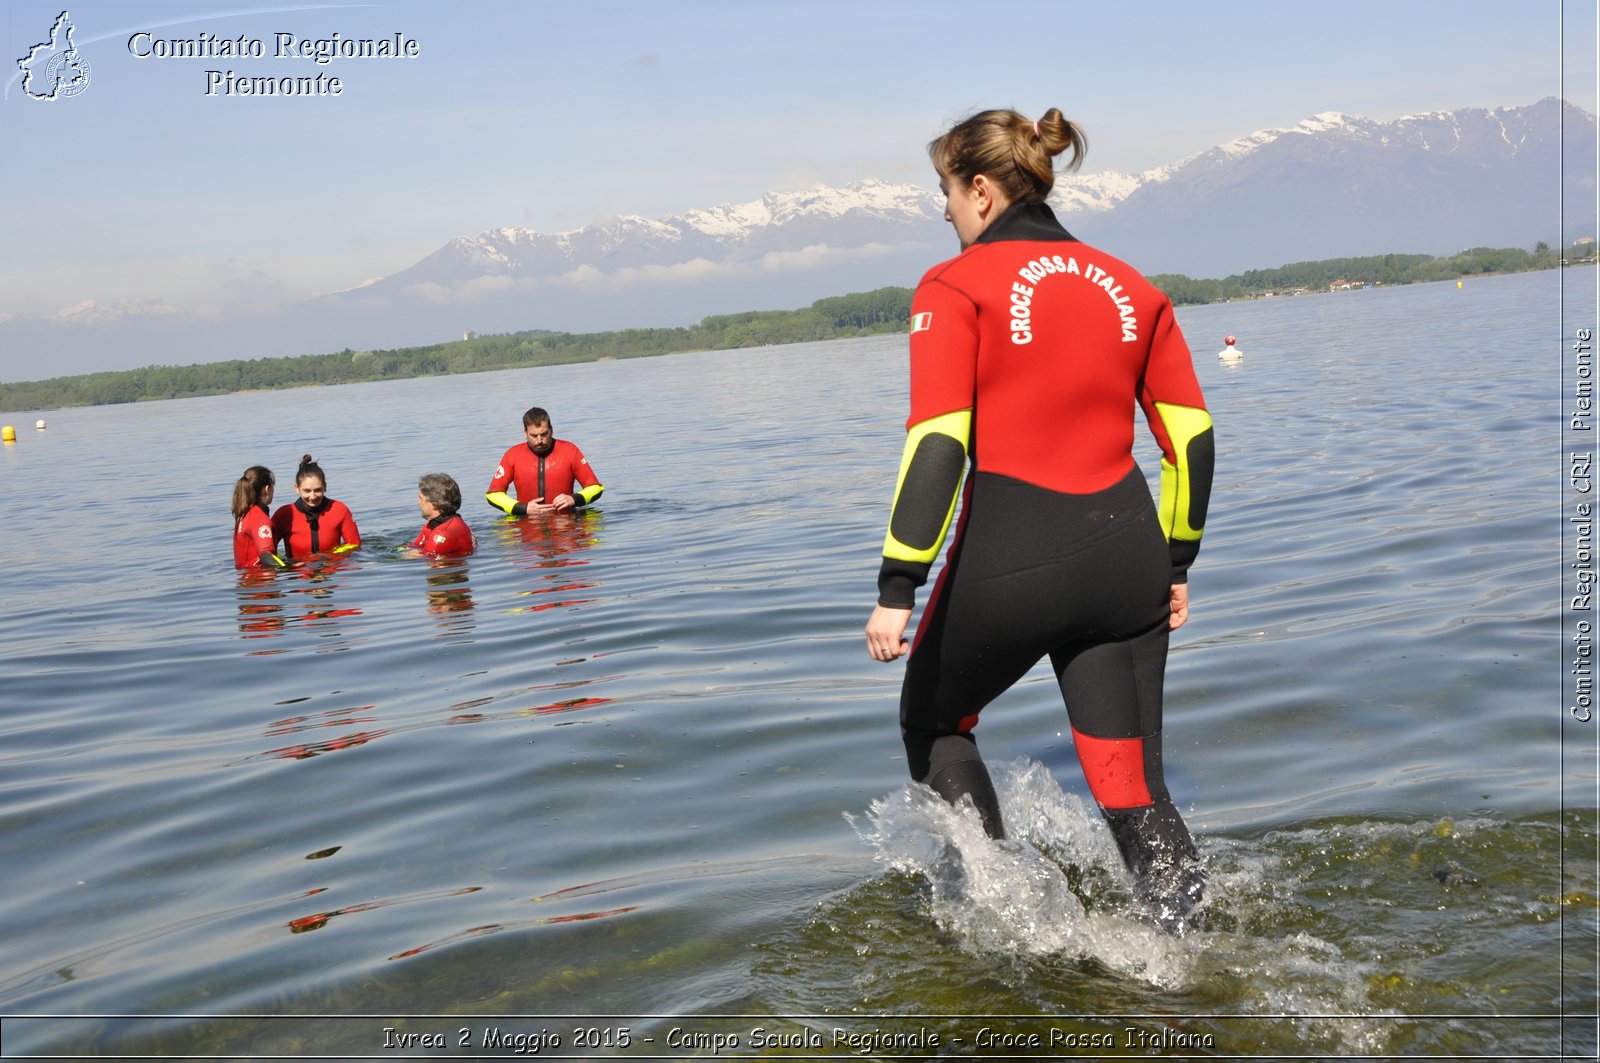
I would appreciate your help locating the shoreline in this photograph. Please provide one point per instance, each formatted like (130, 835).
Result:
(884, 311)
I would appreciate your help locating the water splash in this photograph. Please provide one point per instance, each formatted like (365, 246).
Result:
(1054, 888)
(1333, 936)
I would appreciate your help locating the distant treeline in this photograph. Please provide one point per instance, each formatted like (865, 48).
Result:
(838, 317)
(1322, 275)
(867, 313)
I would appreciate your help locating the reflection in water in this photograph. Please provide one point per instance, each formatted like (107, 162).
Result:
(569, 705)
(344, 717)
(553, 534)
(320, 919)
(449, 594)
(470, 932)
(265, 609)
(550, 546)
(312, 749)
(260, 604)
(478, 931)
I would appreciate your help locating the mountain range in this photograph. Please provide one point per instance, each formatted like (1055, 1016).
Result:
(1334, 185)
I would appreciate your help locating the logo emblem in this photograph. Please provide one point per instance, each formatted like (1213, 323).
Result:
(921, 322)
(55, 69)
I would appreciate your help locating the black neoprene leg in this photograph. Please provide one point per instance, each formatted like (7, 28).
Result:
(954, 768)
(1114, 695)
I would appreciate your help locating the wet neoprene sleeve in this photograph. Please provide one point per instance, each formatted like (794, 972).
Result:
(581, 496)
(506, 504)
(1185, 482)
(925, 495)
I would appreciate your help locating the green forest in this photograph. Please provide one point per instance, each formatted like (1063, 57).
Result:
(885, 310)
(1372, 270)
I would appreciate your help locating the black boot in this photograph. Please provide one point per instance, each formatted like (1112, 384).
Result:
(1158, 851)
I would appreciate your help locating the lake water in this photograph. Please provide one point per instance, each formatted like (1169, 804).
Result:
(628, 785)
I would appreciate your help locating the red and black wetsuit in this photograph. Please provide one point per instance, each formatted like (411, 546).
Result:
(544, 476)
(306, 531)
(253, 539)
(1028, 352)
(445, 536)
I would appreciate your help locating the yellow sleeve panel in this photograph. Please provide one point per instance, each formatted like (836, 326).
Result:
(927, 487)
(587, 495)
(1186, 483)
(501, 501)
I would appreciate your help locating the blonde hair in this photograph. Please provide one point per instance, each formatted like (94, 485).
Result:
(1018, 155)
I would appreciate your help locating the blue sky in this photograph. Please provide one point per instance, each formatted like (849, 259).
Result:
(550, 116)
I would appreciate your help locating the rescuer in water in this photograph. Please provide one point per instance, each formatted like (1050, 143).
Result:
(314, 523)
(550, 475)
(1029, 350)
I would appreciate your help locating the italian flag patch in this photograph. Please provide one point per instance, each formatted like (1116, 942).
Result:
(921, 322)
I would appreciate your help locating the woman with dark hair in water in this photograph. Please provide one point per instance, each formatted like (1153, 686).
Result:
(314, 523)
(253, 538)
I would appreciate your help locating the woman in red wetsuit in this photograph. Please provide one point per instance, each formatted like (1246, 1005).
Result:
(445, 534)
(314, 523)
(253, 537)
(1029, 351)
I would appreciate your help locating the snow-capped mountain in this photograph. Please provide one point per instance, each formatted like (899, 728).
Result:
(1340, 185)
(863, 215)
(1332, 185)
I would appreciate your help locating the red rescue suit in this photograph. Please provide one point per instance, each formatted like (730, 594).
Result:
(315, 531)
(445, 536)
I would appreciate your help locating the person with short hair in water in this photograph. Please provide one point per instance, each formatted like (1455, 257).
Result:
(550, 475)
(445, 534)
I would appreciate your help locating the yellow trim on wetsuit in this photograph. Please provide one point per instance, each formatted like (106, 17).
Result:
(501, 501)
(583, 496)
(956, 426)
(1184, 424)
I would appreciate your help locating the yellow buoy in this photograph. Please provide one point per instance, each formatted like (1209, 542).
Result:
(1458, 284)
(8, 434)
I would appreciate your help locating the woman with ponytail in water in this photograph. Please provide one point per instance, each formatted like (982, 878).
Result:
(1029, 351)
(314, 523)
(253, 538)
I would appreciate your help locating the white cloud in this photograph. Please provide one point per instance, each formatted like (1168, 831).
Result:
(588, 278)
(431, 292)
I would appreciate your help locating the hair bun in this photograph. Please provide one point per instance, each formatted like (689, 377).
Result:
(1057, 133)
